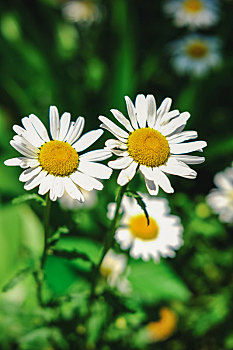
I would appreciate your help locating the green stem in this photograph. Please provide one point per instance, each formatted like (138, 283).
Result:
(112, 229)
(46, 228)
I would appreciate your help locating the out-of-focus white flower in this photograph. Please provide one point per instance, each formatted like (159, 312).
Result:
(220, 199)
(56, 165)
(113, 268)
(195, 54)
(154, 143)
(83, 11)
(160, 238)
(193, 13)
(69, 203)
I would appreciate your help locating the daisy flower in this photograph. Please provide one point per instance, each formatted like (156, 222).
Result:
(67, 202)
(112, 268)
(195, 54)
(164, 327)
(220, 199)
(81, 11)
(193, 13)
(153, 143)
(161, 237)
(56, 165)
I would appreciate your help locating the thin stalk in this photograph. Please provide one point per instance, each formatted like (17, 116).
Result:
(46, 228)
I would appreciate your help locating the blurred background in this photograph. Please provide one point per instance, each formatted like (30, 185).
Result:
(84, 57)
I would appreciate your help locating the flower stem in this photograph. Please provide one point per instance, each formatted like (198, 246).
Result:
(46, 227)
(110, 234)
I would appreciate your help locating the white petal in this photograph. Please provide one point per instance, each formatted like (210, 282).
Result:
(14, 161)
(35, 181)
(174, 124)
(152, 187)
(179, 170)
(77, 131)
(182, 136)
(20, 140)
(151, 107)
(26, 152)
(86, 182)
(162, 180)
(46, 184)
(64, 125)
(112, 143)
(169, 116)
(58, 186)
(54, 122)
(113, 127)
(189, 159)
(147, 172)
(127, 174)
(121, 118)
(30, 134)
(141, 109)
(29, 173)
(97, 155)
(131, 112)
(39, 126)
(120, 153)
(124, 140)
(164, 107)
(87, 140)
(222, 181)
(187, 147)
(18, 129)
(100, 171)
(73, 190)
(120, 163)
(29, 162)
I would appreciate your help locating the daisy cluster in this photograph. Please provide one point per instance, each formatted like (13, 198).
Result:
(195, 54)
(151, 142)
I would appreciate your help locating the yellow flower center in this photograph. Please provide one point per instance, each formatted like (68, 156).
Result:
(148, 147)
(163, 328)
(193, 6)
(58, 158)
(139, 228)
(105, 271)
(197, 50)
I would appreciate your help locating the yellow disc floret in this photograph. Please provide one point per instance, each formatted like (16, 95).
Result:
(193, 6)
(58, 158)
(148, 147)
(197, 49)
(139, 228)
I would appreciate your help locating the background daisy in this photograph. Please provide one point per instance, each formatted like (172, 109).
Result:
(83, 11)
(153, 143)
(164, 327)
(112, 269)
(220, 199)
(160, 238)
(55, 165)
(195, 54)
(193, 13)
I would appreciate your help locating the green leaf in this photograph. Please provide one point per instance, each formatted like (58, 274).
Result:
(140, 202)
(69, 254)
(28, 197)
(20, 275)
(153, 282)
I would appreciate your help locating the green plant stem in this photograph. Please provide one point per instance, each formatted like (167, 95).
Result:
(46, 228)
(110, 234)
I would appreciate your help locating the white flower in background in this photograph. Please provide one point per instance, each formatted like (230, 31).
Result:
(193, 13)
(160, 238)
(153, 143)
(195, 54)
(113, 268)
(81, 11)
(69, 203)
(56, 165)
(220, 199)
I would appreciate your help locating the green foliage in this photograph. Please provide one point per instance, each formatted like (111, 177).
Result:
(140, 201)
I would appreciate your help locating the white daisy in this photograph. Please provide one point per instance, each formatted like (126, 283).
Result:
(153, 143)
(56, 165)
(69, 203)
(195, 54)
(193, 13)
(83, 11)
(220, 199)
(160, 238)
(112, 269)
